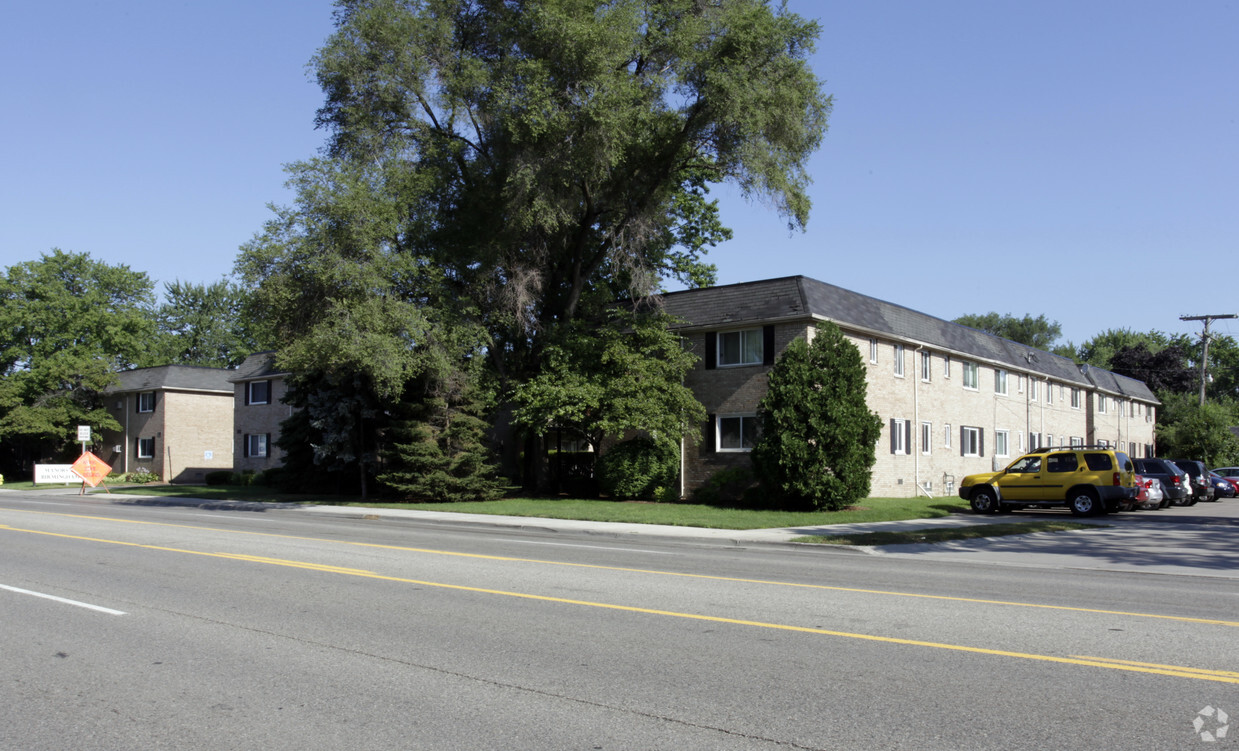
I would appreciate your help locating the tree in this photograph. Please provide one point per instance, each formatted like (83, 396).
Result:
(1038, 332)
(607, 379)
(436, 449)
(552, 154)
(205, 325)
(1165, 371)
(1188, 429)
(1100, 349)
(68, 323)
(817, 445)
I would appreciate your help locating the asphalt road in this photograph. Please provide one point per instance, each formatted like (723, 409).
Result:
(184, 628)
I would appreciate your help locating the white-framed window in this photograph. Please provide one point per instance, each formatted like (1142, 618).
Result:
(740, 348)
(1075, 398)
(970, 441)
(900, 430)
(146, 448)
(972, 376)
(1000, 443)
(735, 432)
(1019, 441)
(1000, 381)
(1101, 403)
(1076, 441)
(899, 360)
(1019, 385)
(927, 432)
(927, 362)
(1049, 393)
(258, 392)
(258, 444)
(947, 442)
(873, 351)
(1032, 389)
(146, 401)
(946, 366)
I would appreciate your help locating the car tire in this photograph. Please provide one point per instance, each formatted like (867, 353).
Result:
(1085, 503)
(984, 501)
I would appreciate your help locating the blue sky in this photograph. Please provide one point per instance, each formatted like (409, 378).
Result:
(1074, 159)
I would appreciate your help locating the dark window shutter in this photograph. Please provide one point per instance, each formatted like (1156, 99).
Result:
(963, 437)
(268, 445)
(247, 397)
(907, 436)
(981, 441)
(711, 352)
(711, 426)
(245, 441)
(767, 345)
(894, 443)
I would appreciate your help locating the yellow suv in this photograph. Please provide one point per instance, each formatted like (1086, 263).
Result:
(1086, 479)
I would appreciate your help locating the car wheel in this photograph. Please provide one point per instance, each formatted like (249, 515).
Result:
(1084, 503)
(984, 501)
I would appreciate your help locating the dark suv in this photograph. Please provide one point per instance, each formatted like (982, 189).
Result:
(1175, 481)
(1202, 486)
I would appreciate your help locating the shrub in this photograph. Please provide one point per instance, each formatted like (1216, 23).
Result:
(218, 477)
(637, 468)
(728, 487)
(141, 477)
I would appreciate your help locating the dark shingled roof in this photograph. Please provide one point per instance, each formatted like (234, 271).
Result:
(257, 366)
(174, 377)
(799, 297)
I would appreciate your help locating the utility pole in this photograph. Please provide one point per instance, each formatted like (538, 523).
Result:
(1204, 354)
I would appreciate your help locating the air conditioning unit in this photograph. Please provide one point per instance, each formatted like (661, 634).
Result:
(116, 449)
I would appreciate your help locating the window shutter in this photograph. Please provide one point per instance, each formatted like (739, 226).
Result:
(711, 354)
(907, 436)
(247, 397)
(245, 441)
(767, 345)
(894, 441)
(711, 426)
(981, 441)
(963, 441)
(268, 445)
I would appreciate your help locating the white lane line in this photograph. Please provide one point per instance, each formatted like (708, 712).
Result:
(86, 605)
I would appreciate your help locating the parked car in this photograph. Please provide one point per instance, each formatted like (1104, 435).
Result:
(1086, 479)
(1175, 481)
(1222, 487)
(1151, 495)
(1230, 473)
(1202, 486)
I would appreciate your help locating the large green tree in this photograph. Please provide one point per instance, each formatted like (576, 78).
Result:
(68, 323)
(817, 445)
(205, 324)
(553, 153)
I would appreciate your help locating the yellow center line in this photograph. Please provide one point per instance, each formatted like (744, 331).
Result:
(1218, 676)
(652, 572)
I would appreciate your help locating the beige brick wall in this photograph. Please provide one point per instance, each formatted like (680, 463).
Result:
(941, 401)
(251, 419)
(192, 434)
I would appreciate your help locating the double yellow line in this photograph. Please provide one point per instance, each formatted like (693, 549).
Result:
(1219, 676)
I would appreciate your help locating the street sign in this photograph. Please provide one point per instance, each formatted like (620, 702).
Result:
(91, 469)
(83, 434)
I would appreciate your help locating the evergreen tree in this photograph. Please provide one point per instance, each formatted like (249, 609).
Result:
(817, 445)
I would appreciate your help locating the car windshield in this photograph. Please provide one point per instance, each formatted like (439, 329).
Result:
(1026, 464)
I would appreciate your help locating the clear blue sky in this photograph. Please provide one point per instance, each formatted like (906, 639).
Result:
(1076, 159)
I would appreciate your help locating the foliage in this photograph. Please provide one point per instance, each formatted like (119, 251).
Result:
(638, 468)
(624, 375)
(218, 477)
(1038, 332)
(204, 325)
(727, 487)
(1223, 367)
(1189, 430)
(539, 158)
(141, 477)
(1100, 349)
(437, 446)
(68, 323)
(818, 438)
(1163, 371)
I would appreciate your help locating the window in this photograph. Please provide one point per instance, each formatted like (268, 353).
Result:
(1076, 442)
(927, 432)
(1034, 441)
(258, 392)
(740, 348)
(1000, 443)
(946, 366)
(1019, 440)
(146, 448)
(1049, 393)
(947, 442)
(1075, 398)
(1000, 381)
(257, 444)
(900, 436)
(1032, 389)
(873, 351)
(899, 360)
(1019, 385)
(927, 362)
(972, 376)
(146, 401)
(736, 432)
(1101, 403)
(1061, 463)
(971, 441)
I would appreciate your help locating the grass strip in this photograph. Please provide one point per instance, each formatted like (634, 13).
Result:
(946, 534)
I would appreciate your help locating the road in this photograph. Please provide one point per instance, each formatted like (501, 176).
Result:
(184, 628)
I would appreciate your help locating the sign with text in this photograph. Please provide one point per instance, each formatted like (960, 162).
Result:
(55, 474)
(91, 469)
(83, 434)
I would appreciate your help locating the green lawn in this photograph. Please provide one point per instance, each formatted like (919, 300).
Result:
(678, 514)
